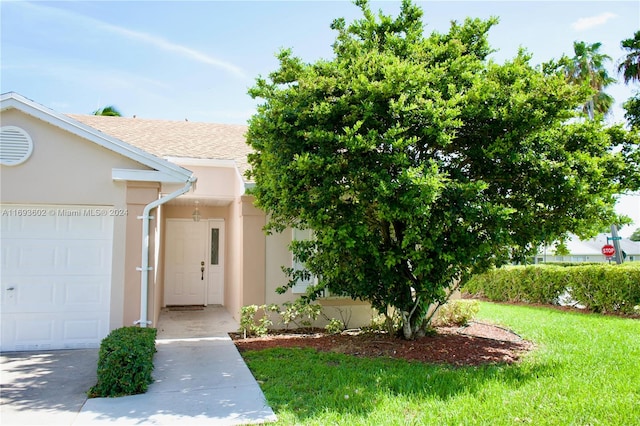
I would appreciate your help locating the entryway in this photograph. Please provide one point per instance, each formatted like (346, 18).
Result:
(210, 321)
(194, 262)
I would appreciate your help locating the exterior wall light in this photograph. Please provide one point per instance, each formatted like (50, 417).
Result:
(196, 213)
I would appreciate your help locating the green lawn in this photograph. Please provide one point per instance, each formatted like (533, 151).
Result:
(585, 371)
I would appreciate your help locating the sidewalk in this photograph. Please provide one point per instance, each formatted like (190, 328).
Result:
(200, 378)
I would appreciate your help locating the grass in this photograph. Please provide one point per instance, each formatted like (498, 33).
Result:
(585, 371)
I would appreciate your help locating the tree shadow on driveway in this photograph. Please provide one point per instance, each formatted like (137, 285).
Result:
(48, 386)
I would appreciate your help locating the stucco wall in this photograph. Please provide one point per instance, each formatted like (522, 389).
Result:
(235, 247)
(253, 253)
(65, 169)
(213, 182)
(353, 313)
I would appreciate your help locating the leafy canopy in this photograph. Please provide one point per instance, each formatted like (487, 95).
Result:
(416, 161)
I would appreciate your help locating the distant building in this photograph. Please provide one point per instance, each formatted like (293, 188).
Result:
(589, 250)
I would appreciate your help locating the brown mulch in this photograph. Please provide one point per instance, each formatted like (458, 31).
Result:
(476, 344)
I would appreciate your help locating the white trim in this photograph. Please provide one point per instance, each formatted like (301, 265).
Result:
(202, 162)
(143, 176)
(34, 109)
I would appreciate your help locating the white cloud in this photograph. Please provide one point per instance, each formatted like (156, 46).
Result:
(148, 39)
(185, 51)
(592, 21)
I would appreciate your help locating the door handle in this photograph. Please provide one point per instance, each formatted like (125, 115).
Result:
(202, 270)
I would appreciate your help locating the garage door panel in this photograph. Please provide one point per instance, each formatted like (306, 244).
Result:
(20, 256)
(85, 293)
(50, 221)
(82, 257)
(56, 280)
(32, 294)
(41, 294)
(81, 330)
(24, 332)
(88, 226)
(37, 257)
(49, 257)
(29, 226)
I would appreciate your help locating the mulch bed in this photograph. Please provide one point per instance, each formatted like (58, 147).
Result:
(476, 344)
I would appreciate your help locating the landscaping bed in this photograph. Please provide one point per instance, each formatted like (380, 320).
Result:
(476, 344)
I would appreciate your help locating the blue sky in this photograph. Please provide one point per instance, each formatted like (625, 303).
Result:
(195, 60)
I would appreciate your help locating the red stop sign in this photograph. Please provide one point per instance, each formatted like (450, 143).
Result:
(608, 250)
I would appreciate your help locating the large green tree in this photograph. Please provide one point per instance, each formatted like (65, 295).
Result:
(416, 161)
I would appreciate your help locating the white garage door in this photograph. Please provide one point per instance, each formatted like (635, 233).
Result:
(55, 276)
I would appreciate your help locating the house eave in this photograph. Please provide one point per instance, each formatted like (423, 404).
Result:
(12, 100)
(134, 175)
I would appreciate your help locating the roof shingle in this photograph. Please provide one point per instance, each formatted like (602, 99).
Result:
(164, 138)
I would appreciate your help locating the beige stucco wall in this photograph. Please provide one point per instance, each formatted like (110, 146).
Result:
(213, 182)
(253, 253)
(354, 313)
(233, 274)
(65, 169)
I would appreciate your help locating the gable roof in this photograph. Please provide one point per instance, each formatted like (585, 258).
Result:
(168, 172)
(186, 139)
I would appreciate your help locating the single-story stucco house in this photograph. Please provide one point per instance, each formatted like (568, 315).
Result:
(106, 220)
(589, 250)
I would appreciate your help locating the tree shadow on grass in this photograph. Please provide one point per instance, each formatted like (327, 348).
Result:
(350, 385)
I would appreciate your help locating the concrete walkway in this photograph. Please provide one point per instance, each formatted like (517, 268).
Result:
(200, 379)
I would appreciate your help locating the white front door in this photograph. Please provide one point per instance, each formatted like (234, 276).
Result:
(194, 262)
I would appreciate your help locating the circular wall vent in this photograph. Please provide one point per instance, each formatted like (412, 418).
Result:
(16, 146)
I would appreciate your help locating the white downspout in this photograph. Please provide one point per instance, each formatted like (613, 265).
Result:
(144, 269)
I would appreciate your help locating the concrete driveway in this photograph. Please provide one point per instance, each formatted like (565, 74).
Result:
(200, 378)
(45, 387)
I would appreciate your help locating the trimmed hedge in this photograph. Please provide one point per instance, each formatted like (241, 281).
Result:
(125, 362)
(601, 288)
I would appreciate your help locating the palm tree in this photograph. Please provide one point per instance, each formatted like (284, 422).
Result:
(629, 66)
(110, 111)
(587, 67)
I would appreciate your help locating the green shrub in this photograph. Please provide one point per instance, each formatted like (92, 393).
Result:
(335, 326)
(125, 362)
(531, 284)
(599, 287)
(457, 312)
(610, 288)
(250, 325)
(301, 313)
